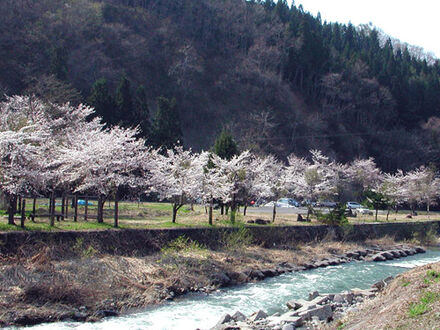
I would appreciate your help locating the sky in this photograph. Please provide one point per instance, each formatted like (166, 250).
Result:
(414, 22)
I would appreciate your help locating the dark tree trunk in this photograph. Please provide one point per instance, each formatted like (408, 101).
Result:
(233, 210)
(18, 208)
(116, 222)
(376, 214)
(101, 203)
(23, 212)
(274, 211)
(211, 205)
(67, 207)
(63, 207)
(52, 209)
(34, 207)
(244, 209)
(86, 208)
(11, 208)
(222, 209)
(227, 209)
(75, 205)
(174, 213)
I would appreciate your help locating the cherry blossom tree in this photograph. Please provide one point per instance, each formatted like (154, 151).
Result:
(176, 176)
(364, 175)
(392, 187)
(23, 131)
(270, 179)
(102, 160)
(314, 180)
(422, 186)
(213, 182)
(236, 171)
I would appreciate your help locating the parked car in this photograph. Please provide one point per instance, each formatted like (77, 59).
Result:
(327, 204)
(353, 205)
(307, 202)
(288, 202)
(357, 208)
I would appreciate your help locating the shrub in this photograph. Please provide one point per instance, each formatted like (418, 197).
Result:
(334, 217)
(236, 239)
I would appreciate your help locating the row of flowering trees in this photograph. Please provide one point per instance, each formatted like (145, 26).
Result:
(46, 149)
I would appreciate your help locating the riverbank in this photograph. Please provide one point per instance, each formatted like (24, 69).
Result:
(45, 284)
(410, 301)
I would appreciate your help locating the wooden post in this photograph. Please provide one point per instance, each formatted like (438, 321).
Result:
(75, 205)
(116, 223)
(86, 206)
(34, 206)
(23, 212)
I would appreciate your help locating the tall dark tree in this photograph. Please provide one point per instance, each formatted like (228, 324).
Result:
(124, 102)
(167, 131)
(142, 112)
(225, 145)
(103, 102)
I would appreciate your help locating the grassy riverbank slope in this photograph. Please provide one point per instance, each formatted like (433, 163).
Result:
(410, 301)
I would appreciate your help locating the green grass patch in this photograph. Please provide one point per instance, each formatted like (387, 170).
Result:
(431, 276)
(406, 283)
(417, 309)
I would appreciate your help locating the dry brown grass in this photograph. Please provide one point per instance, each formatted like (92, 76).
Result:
(391, 309)
(42, 284)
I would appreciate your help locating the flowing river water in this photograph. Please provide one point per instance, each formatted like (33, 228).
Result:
(203, 311)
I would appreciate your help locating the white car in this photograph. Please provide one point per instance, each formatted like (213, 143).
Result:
(358, 208)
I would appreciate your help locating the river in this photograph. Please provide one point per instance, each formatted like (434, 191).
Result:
(203, 311)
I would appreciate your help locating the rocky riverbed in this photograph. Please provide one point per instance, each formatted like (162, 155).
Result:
(320, 308)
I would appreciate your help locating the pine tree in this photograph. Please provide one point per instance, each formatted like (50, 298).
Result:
(167, 132)
(225, 146)
(142, 113)
(124, 102)
(102, 101)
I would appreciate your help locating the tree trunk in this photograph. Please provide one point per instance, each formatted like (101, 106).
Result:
(274, 211)
(75, 206)
(227, 209)
(211, 205)
(244, 209)
(233, 210)
(34, 207)
(222, 209)
(63, 207)
(52, 209)
(174, 212)
(116, 222)
(388, 213)
(11, 208)
(376, 215)
(18, 208)
(67, 207)
(23, 212)
(101, 202)
(86, 208)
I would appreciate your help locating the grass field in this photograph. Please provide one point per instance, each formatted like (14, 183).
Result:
(158, 215)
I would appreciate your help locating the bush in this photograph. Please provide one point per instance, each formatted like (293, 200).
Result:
(64, 292)
(334, 217)
(182, 244)
(426, 236)
(236, 239)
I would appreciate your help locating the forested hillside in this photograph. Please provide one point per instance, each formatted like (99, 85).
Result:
(278, 78)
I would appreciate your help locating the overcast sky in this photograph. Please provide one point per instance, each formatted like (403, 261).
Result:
(414, 22)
